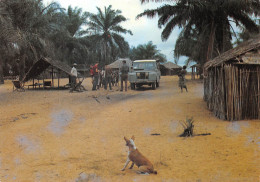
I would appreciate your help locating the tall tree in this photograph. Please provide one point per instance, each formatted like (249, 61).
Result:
(245, 34)
(105, 30)
(32, 20)
(147, 51)
(8, 36)
(212, 18)
(69, 35)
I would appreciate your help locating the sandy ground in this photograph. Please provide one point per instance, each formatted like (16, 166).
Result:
(60, 136)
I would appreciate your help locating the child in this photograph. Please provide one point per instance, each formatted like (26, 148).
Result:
(182, 81)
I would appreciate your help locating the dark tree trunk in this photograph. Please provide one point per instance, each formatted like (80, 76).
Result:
(211, 40)
(22, 67)
(106, 56)
(1, 71)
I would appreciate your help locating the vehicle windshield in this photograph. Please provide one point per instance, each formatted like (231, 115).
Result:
(144, 65)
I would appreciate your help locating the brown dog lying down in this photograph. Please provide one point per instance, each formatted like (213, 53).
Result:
(144, 165)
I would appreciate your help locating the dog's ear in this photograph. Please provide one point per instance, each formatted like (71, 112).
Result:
(133, 138)
(125, 139)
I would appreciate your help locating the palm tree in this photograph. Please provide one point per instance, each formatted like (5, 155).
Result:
(105, 30)
(69, 36)
(8, 37)
(33, 21)
(147, 51)
(191, 46)
(246, 35)
(212, 18)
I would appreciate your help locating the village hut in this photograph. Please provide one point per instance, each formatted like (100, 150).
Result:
(53, 67)
(119, 62)
(232, 82)
(169, 68)
(195, 70)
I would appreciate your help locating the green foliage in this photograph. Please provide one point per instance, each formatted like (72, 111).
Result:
(147, 51)
(105, 30)
(246, 35)
(29, 27)
(69, 37)
(206, 24)
(30, 30)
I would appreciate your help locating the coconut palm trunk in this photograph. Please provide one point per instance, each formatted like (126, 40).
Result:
(22, 67)
(105, 54)
(106, 31)
(1, 71)
(211, 40)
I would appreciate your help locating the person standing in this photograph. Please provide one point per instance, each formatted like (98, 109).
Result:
(116, 75)
(75, 74)
(182, 80)
(95, 76)
(124, 75)
(91, 70)
(108, 77)
(102, 81)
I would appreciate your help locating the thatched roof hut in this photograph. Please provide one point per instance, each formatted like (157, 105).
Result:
(232, 82)
(118, 63)
(47, 64)
(42, 64)
(195, 70)
(169, 68)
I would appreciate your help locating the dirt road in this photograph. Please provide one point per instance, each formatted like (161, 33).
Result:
(62, 136)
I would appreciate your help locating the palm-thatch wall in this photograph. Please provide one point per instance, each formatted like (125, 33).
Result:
(232, 83)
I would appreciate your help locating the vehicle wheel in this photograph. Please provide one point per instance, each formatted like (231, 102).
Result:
(154, 85)
(157, 84)
(132, 86)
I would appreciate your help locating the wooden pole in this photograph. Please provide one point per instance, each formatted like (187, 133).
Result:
(43, 80)
(52, 83)
(58, 78)
(192, 72)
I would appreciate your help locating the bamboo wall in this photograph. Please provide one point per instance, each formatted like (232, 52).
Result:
(232, 91)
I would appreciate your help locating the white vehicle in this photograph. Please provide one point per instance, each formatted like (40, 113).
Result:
(145, 72)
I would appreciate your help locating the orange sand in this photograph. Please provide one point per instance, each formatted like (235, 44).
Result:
(56, 135)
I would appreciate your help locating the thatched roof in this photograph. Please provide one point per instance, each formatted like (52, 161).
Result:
(235, 53)
(195, 65)
(42, 64)
(170, 65)
(118, 63)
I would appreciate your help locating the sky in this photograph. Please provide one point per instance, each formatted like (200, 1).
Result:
(143, 29)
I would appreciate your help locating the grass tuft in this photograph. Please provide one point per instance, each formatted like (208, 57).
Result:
(188, 127)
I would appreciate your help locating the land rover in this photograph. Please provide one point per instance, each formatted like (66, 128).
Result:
(144, 72)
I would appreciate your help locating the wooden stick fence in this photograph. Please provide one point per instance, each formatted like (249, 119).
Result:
(232, 91)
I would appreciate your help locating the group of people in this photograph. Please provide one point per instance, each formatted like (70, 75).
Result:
(105, 77)
(108, 77)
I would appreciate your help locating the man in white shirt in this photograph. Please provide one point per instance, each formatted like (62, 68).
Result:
(75, 73)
